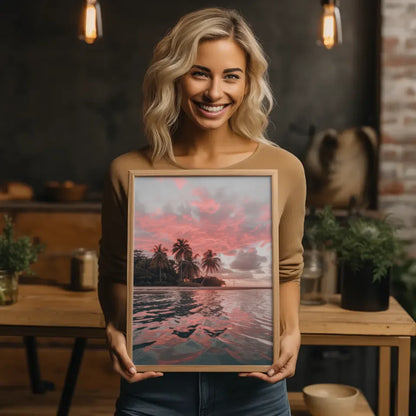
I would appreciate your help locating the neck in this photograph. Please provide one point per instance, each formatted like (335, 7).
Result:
(219, 148)
(190, 140)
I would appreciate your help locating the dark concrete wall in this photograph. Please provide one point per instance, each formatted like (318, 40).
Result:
(68, 108)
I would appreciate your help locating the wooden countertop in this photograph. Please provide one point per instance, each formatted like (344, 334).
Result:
(53, 310)
(330, 318)
(69, 312)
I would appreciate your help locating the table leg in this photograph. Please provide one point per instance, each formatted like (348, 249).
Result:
(71, 376)
(384, 376)
(403, 377)
(37, 385)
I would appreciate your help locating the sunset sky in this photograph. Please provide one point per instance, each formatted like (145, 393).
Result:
(229, 215)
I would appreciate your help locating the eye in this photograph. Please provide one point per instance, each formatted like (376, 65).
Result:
(232, 77)
(199, 74)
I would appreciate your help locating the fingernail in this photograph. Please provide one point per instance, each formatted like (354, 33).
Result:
(270, 373)
(132, 370)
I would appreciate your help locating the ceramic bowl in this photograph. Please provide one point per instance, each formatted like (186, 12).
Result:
(67, 191)
(330, 399)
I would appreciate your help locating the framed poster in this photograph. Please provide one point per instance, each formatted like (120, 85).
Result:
(203, 264)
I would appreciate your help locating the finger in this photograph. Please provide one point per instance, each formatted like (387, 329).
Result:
(285, 371)
(117, 367)
(143, 376)
(265, 377)
(286, 361)
(280, 364)
(261, 376)
(116, 342)
(133, 378)
(274, 369)
(123, 361)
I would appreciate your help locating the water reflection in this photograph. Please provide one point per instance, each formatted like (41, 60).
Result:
(209, 326)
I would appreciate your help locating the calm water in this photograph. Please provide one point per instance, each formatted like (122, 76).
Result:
(202, 326)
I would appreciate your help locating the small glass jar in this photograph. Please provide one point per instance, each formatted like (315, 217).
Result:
(9, 282)
(311, 281)
(84, 269)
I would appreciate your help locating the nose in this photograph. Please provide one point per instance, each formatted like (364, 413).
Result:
(213, 92)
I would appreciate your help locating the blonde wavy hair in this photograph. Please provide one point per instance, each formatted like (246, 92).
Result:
(174, 56)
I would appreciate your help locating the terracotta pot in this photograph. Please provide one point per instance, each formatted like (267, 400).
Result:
(360, 293)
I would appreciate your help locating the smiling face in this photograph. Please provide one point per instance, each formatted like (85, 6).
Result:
(215, 86)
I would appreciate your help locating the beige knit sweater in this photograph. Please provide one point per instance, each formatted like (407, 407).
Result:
(291, 208)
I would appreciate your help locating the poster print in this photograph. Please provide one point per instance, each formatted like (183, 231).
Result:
(203, 270)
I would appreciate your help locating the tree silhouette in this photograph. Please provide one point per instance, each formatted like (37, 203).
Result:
(210, 263)
(160, 259)
(190, 266)
(181, 249)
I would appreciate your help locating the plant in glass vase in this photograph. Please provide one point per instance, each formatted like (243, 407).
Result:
(16, 257)
(322, 232)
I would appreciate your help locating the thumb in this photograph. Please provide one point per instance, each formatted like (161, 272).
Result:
(125, 362)
(279, 364)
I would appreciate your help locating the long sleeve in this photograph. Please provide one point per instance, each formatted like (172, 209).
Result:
(113, 243)
(291, 225)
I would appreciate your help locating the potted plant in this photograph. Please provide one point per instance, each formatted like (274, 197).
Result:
(16, 256)
(367, 248)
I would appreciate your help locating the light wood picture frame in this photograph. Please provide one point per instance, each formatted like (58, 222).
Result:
(203, 270)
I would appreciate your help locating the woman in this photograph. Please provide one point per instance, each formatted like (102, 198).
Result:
(206, 103)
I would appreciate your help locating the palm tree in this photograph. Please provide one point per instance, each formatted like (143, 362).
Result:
(190, 266)
(210, 263)
(181, 249)
(160, 259)
(139, 257)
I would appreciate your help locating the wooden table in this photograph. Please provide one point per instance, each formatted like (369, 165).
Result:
(329, 324)
(298, 407)
(54, 311)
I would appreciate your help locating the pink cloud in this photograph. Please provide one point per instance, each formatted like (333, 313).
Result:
(211, 222)
(179, 182)
(207, 206)
(205, 203)
(224, 235)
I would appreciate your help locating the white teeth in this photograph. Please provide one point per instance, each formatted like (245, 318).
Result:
(211, 108)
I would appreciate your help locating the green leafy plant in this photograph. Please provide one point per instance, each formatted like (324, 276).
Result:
(16, 255)
(323, 230)
(358, 241)
(370, 241)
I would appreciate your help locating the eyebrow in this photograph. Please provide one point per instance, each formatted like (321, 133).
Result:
(226, 71)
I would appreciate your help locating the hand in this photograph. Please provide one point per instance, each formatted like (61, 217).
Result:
(286, 364)
(122, 364)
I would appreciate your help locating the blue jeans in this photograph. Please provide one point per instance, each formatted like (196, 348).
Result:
(202, 394)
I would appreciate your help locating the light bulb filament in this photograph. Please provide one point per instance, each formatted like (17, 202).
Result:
(90, 24)
(328, 30)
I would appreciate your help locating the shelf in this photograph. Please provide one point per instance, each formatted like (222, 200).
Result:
(298, 407)
(44, 206)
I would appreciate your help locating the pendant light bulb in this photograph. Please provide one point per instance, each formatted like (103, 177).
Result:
(91, 23)
(330, 32)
